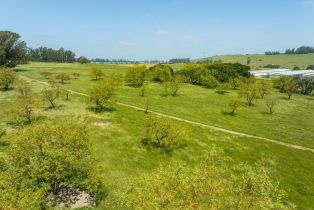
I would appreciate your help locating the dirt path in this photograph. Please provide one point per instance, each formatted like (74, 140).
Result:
(293, 146)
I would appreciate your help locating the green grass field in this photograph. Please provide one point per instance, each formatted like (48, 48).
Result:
(117, 143)
(258, 60)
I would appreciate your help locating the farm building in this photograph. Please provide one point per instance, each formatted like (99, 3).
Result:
(282, 72)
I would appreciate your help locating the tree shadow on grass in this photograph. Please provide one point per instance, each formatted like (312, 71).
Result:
(20, 70)
(228, 113)
(100, 110)
(57, 107)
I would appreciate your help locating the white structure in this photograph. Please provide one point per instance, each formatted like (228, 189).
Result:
(282, 72)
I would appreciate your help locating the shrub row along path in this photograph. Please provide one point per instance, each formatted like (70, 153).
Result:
(293, 146)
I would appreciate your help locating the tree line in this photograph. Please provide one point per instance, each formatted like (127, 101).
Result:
(299, 50)
(14, 51)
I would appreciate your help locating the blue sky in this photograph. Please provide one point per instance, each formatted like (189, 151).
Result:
(163, 29)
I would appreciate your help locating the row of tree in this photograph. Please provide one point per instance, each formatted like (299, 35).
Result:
(300, 50)
(45, 54)
(179, 60)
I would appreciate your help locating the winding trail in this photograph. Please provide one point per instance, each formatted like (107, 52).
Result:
(293, 146)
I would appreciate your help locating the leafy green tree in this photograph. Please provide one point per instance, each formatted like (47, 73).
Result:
(290, 86)
(143, 90)
(46, 162)
(205, 185)
(51, 94)
(209, 81)
(22, 111)
(306, 85)
(96, 72)
(161, 73)
(248, 90)
(222, 88)
(102, 95)
(234, 104)
(234, 83)
(7, 77)
(135, 77)
(63, 77)
(173, 86)
(264, 87)
(160, 133)
(248, 61)
(83, 60)
(13, 51)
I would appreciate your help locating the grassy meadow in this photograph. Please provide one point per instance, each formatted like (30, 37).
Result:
(259, 60)
(116, 135)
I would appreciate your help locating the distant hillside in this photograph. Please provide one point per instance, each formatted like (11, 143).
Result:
(258, 61)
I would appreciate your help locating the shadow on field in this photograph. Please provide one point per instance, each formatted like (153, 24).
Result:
(101, 110)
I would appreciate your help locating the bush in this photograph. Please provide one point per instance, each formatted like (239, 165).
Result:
(161, 73)
(223, 72)
(205, 185)
(135, 77)
(45, 162)
(7, 77)
(102, 95)
(161, 134)
(272, 66)
(209, 81)
(310, 67)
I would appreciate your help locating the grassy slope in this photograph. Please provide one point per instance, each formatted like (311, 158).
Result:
(292, 121)
(258, 60)
(118, 148)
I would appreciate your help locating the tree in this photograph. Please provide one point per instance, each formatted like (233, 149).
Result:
(248, 89)
(264, 87)
(83, 60)
(310, 67)
(248, 61)
(270, 103)
(102, 95)
(161, 73)
(23, 88)
(222, 88)
(205, 185)
(290, 86)
(47, 164)
(209, 81)
(51, 94)
(234, 104)
(45, 74)
(160, 133)
(7, 77)
(65, 93)
(146, 105)
(135, 77)
(172, 86)
(234, 83)
(306, 85)
(96, 72)
(143, 90)
(62, 77)
(12, 50)
(22, 111)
